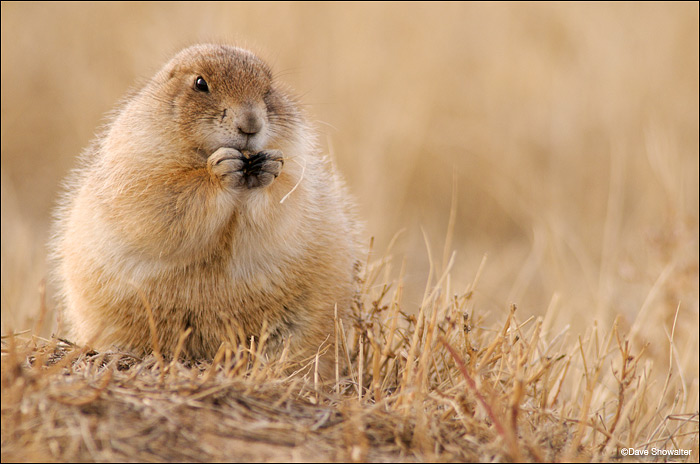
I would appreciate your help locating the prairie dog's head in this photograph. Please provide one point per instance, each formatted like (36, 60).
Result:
(224, 96)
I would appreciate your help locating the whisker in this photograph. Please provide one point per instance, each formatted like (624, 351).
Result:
(303, 169)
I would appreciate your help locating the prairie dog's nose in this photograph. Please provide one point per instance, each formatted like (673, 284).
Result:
(250, 123)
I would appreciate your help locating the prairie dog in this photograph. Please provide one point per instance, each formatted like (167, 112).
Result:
(205, 200)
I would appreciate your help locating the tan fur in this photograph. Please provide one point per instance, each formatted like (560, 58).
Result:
(153, 214)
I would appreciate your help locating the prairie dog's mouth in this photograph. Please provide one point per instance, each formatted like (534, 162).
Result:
(255, 154)
(253, 143)
(248, 154)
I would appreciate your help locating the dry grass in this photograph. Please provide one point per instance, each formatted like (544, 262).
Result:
(559, 140)
(436, 386)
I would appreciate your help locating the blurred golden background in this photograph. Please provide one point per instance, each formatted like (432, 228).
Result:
(568, 134)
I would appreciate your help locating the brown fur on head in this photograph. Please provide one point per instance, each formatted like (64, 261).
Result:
(223, 96)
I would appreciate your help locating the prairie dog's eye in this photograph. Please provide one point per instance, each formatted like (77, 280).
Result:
(200, 84)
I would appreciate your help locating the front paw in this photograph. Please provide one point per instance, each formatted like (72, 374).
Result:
(245, 169)
(262, 168)
(227, 165)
